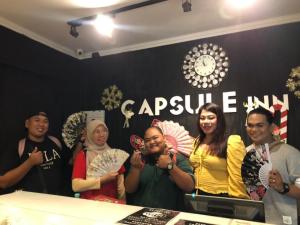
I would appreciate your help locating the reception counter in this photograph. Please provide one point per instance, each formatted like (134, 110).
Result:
(29, 208)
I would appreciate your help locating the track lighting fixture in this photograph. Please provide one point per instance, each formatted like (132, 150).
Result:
(73, 31)
(187, 5)
(81, 21)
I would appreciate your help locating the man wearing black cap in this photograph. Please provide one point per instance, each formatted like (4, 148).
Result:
(48, 176)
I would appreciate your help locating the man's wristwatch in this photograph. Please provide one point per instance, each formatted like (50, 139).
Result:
(170, 166)
(286, 189)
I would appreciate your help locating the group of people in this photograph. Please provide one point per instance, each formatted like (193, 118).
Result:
(159, 177)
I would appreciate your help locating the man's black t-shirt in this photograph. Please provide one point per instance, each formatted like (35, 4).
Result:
(48, 176)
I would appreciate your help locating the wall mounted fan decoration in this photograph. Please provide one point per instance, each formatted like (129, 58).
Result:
(255, 170)
(106, 161)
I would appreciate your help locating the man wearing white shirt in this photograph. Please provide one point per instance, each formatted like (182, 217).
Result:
(284, 179)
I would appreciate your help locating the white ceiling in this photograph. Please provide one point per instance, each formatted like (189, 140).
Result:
(150, 26)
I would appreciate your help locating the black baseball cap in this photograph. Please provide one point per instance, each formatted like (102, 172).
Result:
(36, 113)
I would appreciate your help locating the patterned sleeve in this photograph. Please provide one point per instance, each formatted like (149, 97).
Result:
(235, 155)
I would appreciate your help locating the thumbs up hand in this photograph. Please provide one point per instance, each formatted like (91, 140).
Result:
(36, 157)
(165, 158)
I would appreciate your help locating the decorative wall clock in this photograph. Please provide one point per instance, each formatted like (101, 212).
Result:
(205, 65)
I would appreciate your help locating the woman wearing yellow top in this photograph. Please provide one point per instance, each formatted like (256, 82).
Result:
(216, 158)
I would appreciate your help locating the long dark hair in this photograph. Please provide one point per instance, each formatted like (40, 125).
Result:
(218, 144)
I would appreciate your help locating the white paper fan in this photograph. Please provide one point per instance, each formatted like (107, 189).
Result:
(263, 174)
(177, 136)
(264, 171)
(106, 161)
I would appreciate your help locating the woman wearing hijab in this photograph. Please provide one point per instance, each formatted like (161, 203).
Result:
(112, 183)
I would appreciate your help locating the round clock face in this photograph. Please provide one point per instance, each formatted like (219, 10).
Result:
(205, 65)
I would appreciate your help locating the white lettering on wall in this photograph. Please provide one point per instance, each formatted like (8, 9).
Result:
(265, 104)
(145, 108)
(254, 102)
(160, 104)
(285, 102)
(201, 101)
(187, 104)
(124, 105)
(174, 102)
(227, 101)
(178, 105)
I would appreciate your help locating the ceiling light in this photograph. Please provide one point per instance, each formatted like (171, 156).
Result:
(187, 5)
(104, 25)
(240, 4)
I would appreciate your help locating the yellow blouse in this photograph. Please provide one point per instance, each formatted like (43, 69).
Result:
(219, 175)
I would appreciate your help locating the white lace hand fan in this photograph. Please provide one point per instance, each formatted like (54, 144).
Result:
(177, 136)
(106, 161)
(264, 171)
(263, 174)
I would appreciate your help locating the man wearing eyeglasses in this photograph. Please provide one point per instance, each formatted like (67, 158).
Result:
(284, 179)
